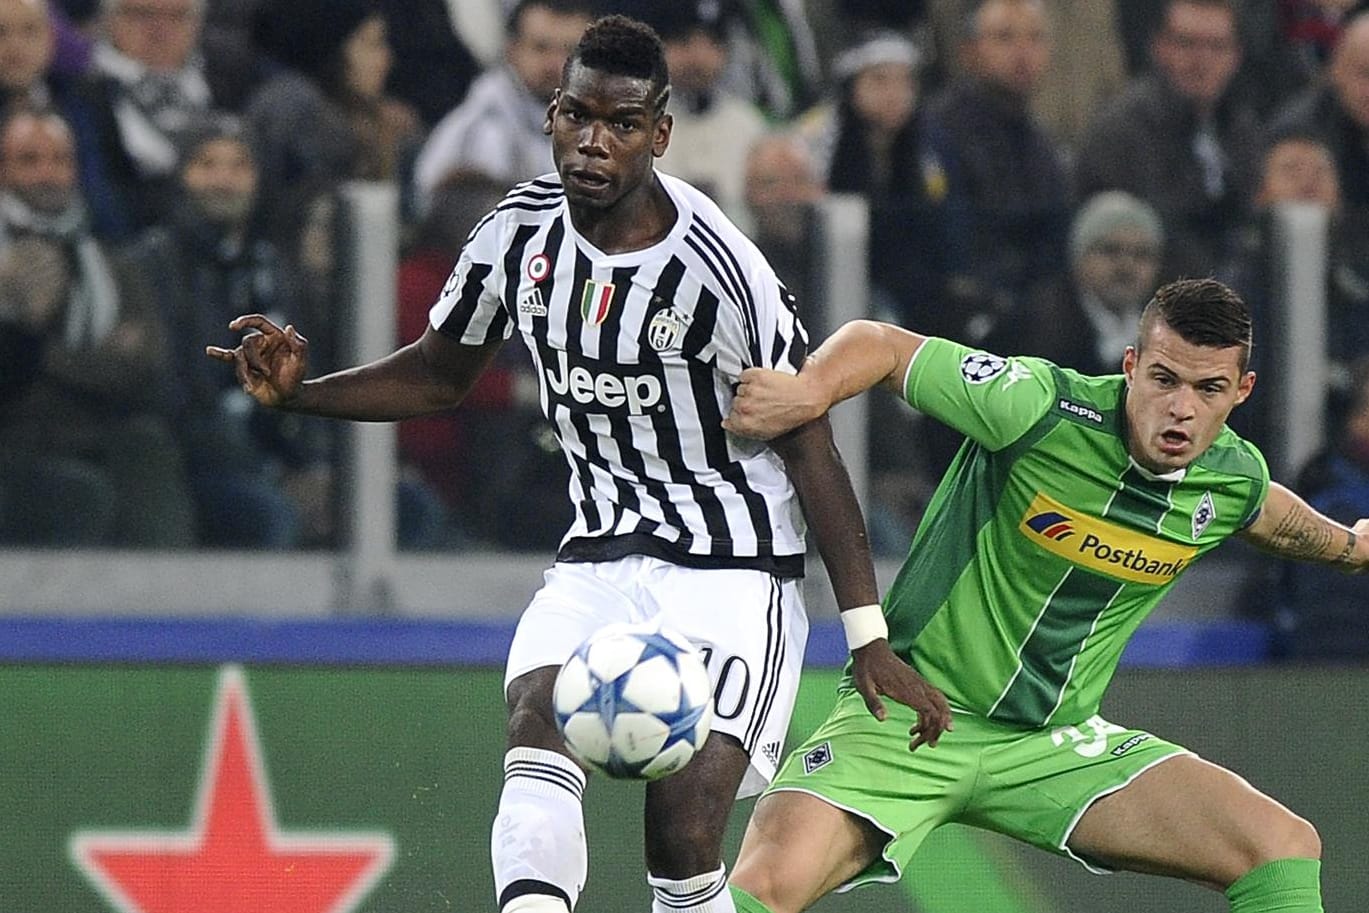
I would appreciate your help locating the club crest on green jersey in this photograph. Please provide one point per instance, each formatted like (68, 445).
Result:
(1203, 515)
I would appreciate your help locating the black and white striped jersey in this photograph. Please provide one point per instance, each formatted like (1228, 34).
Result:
(636, 356)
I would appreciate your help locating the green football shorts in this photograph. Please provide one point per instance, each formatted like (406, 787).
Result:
(1032, 784)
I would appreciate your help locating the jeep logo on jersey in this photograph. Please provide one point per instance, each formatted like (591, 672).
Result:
(578, 384)
(1103, 547)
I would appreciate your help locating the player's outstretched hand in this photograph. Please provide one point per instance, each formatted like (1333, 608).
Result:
(769, 403)
(877, 670)
(270, 363)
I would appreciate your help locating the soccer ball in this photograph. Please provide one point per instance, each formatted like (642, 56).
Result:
(634, 701)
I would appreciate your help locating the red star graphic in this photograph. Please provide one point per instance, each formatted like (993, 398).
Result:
(233, 857)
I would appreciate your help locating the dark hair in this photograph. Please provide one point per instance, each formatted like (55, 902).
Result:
(1203, 312)
(623, 47)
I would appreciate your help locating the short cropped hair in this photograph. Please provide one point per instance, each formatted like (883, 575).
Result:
(1203, 312)
(624, 46)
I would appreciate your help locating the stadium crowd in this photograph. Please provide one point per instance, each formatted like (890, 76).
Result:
(1033, 171)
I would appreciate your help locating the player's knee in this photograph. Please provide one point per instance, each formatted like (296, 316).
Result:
(687, 848)
(1298, 839)
(1287, 837)
(762, 882)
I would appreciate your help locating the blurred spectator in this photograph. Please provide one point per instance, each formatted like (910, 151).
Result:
(772, 58)
(1199, 143)
(874, 140)
(713, 128)
(782, 186)
(324, 119)
(1321, 613)
(1008, 169)
(1299, 168)
(205, 266)
(432, 67)
(86, 456)
(146, 84)
(1312, 27)
(1338, 111)
(1087, 323)
(27, 79)
(495, 461)
(1090, 71)
(497, 130)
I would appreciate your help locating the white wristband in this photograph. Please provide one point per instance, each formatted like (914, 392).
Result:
(864, 624)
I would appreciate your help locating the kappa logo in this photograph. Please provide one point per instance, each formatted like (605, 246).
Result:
(1131, 743)
(818, 756)
(1203, 515)
(1087, 413)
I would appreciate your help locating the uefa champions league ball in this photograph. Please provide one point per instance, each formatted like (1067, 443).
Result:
(634, 701)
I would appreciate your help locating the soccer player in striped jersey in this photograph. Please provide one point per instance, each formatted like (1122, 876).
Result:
(641, 305)
(1070, 511)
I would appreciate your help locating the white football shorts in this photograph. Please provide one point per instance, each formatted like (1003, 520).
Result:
(751, 627)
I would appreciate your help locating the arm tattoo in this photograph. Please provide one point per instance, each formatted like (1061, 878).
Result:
(1347, 554)
(1300, 534)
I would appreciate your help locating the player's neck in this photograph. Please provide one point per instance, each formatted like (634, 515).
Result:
(637, 221)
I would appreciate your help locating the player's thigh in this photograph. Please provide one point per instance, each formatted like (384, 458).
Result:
(1192, 819)
(798, 848)
(575, 601)
(886, 800)
(1035, 785)
(752, 629)
(686, 813)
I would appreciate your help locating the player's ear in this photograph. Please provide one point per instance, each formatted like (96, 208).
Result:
(551, 111)
(1245, 386)
(661, 141)
(1129, 363)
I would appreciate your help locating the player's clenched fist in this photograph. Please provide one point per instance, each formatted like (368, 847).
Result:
(768, 403)
(270, 362)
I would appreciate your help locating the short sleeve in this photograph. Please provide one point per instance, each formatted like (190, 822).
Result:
(759, 324)
(989, 398)
(470, 308)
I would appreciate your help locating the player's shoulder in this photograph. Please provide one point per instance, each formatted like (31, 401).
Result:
(1233, 456)
(709, 229)
(534, 201)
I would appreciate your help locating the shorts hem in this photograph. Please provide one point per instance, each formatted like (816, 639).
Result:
(1093, 868)
(859, 879)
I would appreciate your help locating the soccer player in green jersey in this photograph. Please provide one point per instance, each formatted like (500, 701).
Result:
(1072, 508)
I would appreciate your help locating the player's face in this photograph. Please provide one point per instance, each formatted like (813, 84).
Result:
(604, 134)
(1178, 397)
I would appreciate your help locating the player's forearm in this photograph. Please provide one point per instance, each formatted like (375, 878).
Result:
(1291, 528)
(860, 355)
(401, 385)
(832, 511)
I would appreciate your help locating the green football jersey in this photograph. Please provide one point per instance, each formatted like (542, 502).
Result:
(1046, 545)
